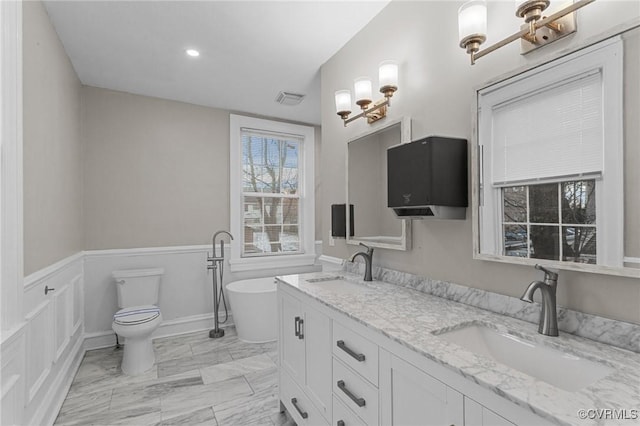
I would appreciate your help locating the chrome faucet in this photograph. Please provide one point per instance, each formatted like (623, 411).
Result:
(368, 257)
(548, 315)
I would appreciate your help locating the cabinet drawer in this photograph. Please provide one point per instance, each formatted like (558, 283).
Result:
(355, 392)
(342, 416)
(356, 351)
(298, 404)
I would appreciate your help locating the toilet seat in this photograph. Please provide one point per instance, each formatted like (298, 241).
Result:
(136, 315)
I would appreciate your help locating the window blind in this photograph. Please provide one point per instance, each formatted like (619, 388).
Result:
(555, 133)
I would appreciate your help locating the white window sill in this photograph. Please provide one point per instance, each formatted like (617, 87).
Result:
(271, 262)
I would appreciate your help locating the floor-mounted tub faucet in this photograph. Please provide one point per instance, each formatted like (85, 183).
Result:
(368, 258)
(548, 315)
(217, 264)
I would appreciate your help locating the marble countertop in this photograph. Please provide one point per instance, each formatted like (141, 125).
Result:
(411, 318)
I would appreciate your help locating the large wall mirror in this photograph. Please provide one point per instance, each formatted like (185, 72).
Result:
(557, 161)
(374, 223)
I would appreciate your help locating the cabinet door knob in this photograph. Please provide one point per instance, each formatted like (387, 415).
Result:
(47, 289)
(340, 423)
(303, 414)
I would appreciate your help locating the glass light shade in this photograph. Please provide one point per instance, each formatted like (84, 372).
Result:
(472, 19)
(388, 74)
(363, 89)
(343, 101)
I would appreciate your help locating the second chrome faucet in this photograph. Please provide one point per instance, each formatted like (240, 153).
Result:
(368, 257)
(548, 314)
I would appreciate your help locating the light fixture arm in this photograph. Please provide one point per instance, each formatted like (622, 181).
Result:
(532, 26)
(365, 113)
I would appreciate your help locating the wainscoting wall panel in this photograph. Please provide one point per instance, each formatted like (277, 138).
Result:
(186, 291)
(41, 355)
(12, 374)
(53, 337)
(39, 336)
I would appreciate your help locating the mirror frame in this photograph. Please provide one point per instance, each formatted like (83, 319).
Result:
(405, 236)
(475, 168)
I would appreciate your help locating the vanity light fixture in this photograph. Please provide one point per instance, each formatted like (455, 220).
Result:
(388, 80)
(538, 30)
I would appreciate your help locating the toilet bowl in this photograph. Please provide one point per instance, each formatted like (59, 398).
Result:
(136, 324)
(138, 318)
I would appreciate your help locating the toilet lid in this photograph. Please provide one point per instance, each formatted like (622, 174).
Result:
(136, 315)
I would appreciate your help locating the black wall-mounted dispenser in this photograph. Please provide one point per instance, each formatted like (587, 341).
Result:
(339, 220)
(428, 177)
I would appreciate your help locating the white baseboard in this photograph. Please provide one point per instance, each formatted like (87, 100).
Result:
(174, 327)
(190, 325)
(56, 394)
(99, 340)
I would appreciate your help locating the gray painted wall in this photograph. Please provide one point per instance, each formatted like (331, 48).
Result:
(156, 171)
(52, 145)
(436, 89)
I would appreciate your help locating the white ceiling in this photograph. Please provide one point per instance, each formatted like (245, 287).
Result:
(250, 50)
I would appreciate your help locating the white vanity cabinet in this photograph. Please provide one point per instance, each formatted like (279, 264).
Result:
(409, 396)
(336, 370)
(305, 360)
(477, 415)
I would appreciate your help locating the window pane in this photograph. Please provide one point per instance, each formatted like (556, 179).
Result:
(252, 150)
(515, 204)
(290, 238)
(257, 179)
(253, 239)
(270, 165)
(543, 200)
(515, 240)
(579, 244)
(252, 211)
(579, 202)
(545, 242)
(290, 211)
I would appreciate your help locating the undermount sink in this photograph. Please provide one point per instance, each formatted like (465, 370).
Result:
(338, 285)
(557, 368)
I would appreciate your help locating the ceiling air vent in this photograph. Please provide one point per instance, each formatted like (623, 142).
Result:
(288, 98)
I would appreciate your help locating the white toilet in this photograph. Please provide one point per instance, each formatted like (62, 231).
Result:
(139, 316)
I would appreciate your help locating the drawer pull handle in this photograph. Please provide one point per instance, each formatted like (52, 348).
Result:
(340, 423)
(296, 327)
(358, 357)
(300, 329)
(303, 414)
(360, 402)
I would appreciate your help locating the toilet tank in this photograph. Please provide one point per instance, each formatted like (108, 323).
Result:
(137, 287)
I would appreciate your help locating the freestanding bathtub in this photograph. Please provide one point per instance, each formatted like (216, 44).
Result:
(255, 309)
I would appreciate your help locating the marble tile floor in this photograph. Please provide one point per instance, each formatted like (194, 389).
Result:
(195, 381)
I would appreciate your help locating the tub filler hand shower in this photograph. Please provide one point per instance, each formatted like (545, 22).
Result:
(217, 264)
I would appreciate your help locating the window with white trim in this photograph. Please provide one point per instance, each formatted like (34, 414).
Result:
(272, 194)
(551, 184)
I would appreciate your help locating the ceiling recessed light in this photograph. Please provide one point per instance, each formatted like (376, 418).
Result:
(193, 52)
